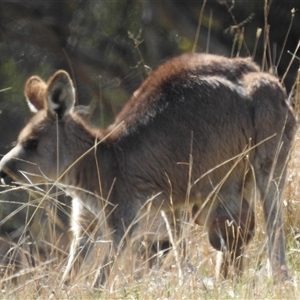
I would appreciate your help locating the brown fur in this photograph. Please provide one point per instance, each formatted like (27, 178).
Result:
(216, 125)
(34, 91)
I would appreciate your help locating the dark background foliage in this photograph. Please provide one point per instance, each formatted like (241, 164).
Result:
(109, 47)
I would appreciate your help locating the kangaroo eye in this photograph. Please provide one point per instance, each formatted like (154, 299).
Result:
(31, 144)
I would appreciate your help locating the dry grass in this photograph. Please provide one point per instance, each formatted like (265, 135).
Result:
(192, 278)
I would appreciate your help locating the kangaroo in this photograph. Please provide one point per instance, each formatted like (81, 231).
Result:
(210, 130)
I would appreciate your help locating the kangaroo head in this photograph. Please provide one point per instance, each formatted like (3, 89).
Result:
(41, 150)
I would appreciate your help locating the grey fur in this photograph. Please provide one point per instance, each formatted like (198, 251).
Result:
(232, 119)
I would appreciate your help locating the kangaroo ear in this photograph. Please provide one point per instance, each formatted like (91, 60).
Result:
(35, 89)
(60, 94)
